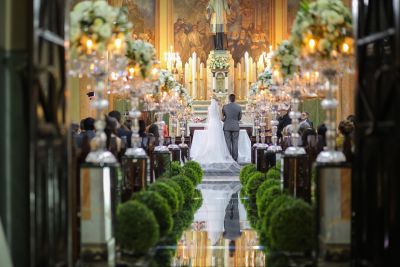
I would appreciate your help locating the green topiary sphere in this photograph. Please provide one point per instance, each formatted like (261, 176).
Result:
(192, 175)
(156, 203)
(177, 189)
(285, 233)
(274, 174)
(265, 186)
(253, 184)
(196, 167)
(186, 186)
(246, 172)
(168, 193)
(197, 199)
(267, 198)
(269, 212)
(136, 229)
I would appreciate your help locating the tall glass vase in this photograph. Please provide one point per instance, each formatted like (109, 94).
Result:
(329, 104)
(136, 150)
(274, 128)
(294, 114)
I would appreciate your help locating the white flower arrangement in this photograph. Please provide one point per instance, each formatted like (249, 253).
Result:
(167, 80)
(96, 22)
(142, 55)
(183, 95)
(254, 89)
(219, 63)
(285, 58)
(265, 78)
(322, 27)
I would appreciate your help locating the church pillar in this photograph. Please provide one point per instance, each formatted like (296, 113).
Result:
(164, 25)
(280, 15)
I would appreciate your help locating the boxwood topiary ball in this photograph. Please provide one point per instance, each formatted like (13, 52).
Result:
(156, 203)
(253, 184)
(137, 229)
(168, 193)
(177, 189)
(246, 172)
(186, 186)
(265, 186)
(269, 212)
(285, 233)
(192, 175)
(274, 174)
(196, 167)
(197, 199)
(267, 198)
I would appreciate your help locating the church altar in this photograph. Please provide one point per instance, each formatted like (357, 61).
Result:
(244, 145)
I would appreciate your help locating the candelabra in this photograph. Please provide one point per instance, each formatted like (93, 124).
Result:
(174, 63)
(134, 114)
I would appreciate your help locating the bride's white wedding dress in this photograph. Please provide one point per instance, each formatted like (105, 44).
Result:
(213, 153)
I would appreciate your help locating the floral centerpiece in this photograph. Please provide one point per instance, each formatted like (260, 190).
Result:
(166, 80)
(219, 63)
(285, 59)
(265, 79)
(183, 95)
(93, 24)
(323, 29)
(142, 55)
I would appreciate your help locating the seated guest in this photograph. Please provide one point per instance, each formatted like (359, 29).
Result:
(88, 132)
(153, 128)
(113, 143)
(122, 130)
(321, 132)
(284, 119)
(305, 118)
(344, 140)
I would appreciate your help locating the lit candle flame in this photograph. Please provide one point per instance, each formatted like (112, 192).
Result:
(346, 48)
(312, 44)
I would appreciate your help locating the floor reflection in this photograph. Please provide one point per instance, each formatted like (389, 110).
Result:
(220, 234)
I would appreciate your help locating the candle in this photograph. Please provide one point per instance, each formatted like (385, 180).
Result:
(118, 45)
(312, 44)
(89, 46)
(345, 48)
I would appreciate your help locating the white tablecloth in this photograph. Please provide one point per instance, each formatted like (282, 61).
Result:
(244, 144)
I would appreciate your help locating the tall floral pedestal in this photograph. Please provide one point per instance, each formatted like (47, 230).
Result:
(260, 160)
(98, 202)
(135, 175)
(161, 162)
(175, 153)
(333, 195)
(297, 176)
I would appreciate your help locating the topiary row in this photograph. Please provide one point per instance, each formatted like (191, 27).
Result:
(282, 222)
(158, 216)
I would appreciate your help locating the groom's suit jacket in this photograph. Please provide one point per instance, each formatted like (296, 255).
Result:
(232, 115)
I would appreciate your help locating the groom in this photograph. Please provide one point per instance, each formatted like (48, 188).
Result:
(232, 114)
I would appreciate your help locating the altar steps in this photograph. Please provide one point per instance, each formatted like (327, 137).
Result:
(200, 107)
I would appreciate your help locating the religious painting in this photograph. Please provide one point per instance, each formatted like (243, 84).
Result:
(142, 15)
(292, 8)
(249, 28)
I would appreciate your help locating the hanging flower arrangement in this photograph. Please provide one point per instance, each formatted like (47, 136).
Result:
(93, 24)
(166, 80)
(265, 79)
(219, 63)
(323, 28)
(142, 56)
(285, 59)
(183, 95)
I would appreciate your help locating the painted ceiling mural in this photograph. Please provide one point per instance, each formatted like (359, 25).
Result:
(249, 26)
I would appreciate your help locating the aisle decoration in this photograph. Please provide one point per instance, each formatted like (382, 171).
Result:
(286, 61)
(142, 56)
(322, 32)
(276, 216)
(148, 229)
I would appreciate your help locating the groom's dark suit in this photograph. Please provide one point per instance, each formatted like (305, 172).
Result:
(232, 115)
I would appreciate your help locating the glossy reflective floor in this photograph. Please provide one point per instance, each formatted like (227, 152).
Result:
(220, 234)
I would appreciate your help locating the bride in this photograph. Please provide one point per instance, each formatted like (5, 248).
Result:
(212, 151)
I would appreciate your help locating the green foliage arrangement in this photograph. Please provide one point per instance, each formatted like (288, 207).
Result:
(197, 200)
(168, 193)
(177, 189)
(285, 233)
(192, 175)
(156, 203)
(253, 184)
(273, 173)
(196, 167)
(137, 228)
(245, 173)
(186, 186)
(267, 198)
(265, 186)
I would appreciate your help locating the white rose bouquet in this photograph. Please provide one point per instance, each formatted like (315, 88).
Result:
(167, 80)
(219, 63)
(265, 78)
(93, 23)
(322, 28)
(285, 58)
(142, 55)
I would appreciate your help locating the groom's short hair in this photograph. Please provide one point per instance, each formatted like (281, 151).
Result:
(232, 97)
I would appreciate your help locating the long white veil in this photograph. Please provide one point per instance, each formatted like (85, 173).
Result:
(213, 154)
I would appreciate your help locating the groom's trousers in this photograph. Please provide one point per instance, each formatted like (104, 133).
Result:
(232, 141)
